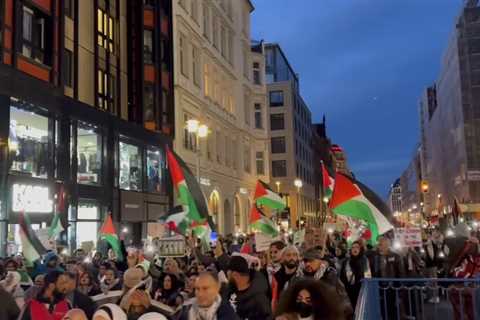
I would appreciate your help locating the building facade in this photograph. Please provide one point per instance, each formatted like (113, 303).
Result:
(290, 133)
(450, 119)
(395, 197)
(69, 124)
(219, 82)
(411, 197)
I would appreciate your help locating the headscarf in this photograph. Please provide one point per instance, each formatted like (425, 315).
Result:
(110, 311)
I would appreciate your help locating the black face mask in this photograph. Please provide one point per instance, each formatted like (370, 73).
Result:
(304, 310)
(291, 264)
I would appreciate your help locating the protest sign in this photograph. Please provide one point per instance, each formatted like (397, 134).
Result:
(299, 237)
(262, 242)
(409, 237)
(170, 247)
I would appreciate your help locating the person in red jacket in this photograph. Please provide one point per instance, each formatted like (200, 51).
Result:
(50, 303)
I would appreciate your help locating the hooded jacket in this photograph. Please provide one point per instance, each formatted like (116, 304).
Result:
(252, 304)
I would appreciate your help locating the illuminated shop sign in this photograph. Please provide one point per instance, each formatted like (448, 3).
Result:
(31, 199)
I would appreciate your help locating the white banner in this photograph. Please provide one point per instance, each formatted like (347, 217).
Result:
(409, 237)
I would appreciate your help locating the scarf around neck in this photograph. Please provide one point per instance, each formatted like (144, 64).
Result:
(198, 313)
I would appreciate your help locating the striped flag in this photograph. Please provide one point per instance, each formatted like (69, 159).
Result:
(328, 182)
(32, 247)
(109, 234)
(260, 222)
(264, 196)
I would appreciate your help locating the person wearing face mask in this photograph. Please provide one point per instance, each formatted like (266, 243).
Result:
(308, 299)
(317, 268)
(50, 302)
(353, 270)
(290, 262)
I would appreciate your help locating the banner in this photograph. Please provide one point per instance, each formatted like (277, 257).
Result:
(409, 237)
(299, 237)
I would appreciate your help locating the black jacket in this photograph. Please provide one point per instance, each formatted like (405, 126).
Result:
(387, 266)
(8, 308)
(83, 302)
(253, 303)
(224, 312)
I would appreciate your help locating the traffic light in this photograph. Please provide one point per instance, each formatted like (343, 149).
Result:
(424, 186)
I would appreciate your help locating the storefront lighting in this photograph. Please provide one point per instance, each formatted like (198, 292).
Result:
(325, 199)
(192, 125)
(298, 183)
(125, 230)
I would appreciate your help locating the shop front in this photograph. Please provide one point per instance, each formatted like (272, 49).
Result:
(98, 163)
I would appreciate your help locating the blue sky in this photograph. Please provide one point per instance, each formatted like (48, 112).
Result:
(364, 64)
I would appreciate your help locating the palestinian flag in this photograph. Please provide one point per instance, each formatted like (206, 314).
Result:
(264, 196)
(32, 247)
(189, 193)
(55, 227)
(352, 199)
(258, 221)
(328, 182)
(109, 234)
(176, 219)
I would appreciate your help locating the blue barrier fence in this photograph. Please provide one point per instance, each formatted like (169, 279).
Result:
(419, 299)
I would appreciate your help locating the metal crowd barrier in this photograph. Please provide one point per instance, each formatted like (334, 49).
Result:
(419, 299)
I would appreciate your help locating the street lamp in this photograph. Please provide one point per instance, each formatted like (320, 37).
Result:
(299, 184)
(200, 131)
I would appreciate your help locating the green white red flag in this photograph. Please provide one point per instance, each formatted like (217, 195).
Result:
(352, 199)
(109, 234)
(328, 182)
(264, 196)
(261, 223)
(32, 247)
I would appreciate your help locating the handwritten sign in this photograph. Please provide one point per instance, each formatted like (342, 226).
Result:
(262, 242)
(409, 237)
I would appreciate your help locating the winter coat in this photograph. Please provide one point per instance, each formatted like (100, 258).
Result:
(353, 270)
(253, 303)
(387, 266)
(224, 312)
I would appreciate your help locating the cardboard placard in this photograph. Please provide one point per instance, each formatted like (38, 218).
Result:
(170, 247)
(409, 237)
(262, 242)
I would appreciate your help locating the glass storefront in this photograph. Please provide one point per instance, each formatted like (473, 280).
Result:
(28, 143)
(88, 223)
(130, 167)
(89, 155)
(155, 173)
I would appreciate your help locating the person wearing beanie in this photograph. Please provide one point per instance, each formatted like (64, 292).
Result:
(109, 311)
(247, 294)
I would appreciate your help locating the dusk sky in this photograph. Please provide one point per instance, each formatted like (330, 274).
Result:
(364, 64)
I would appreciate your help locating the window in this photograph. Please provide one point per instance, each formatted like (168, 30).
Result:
(88, 222)
(28, 143)
(104, 30)
(247, 109)
(277, 121)
(148, 46)
(260, 163)
(215, 32)
(218, 139)
(206, 20)
(258, 116)
(105, 90)
(278, 145)
(89, 155)
(246, 158)
(189, 139)
(276, 98)
(155, 170)
(279, 168)
(36, 34)
(130, 167)
(68, 68)
(207, 82)
(194, 10)
(183, 55)
(223, 42)
(195, 66)
(256, 74)
(148, 102)
(68, 8)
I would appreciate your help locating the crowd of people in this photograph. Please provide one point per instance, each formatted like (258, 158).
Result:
(230, 281)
